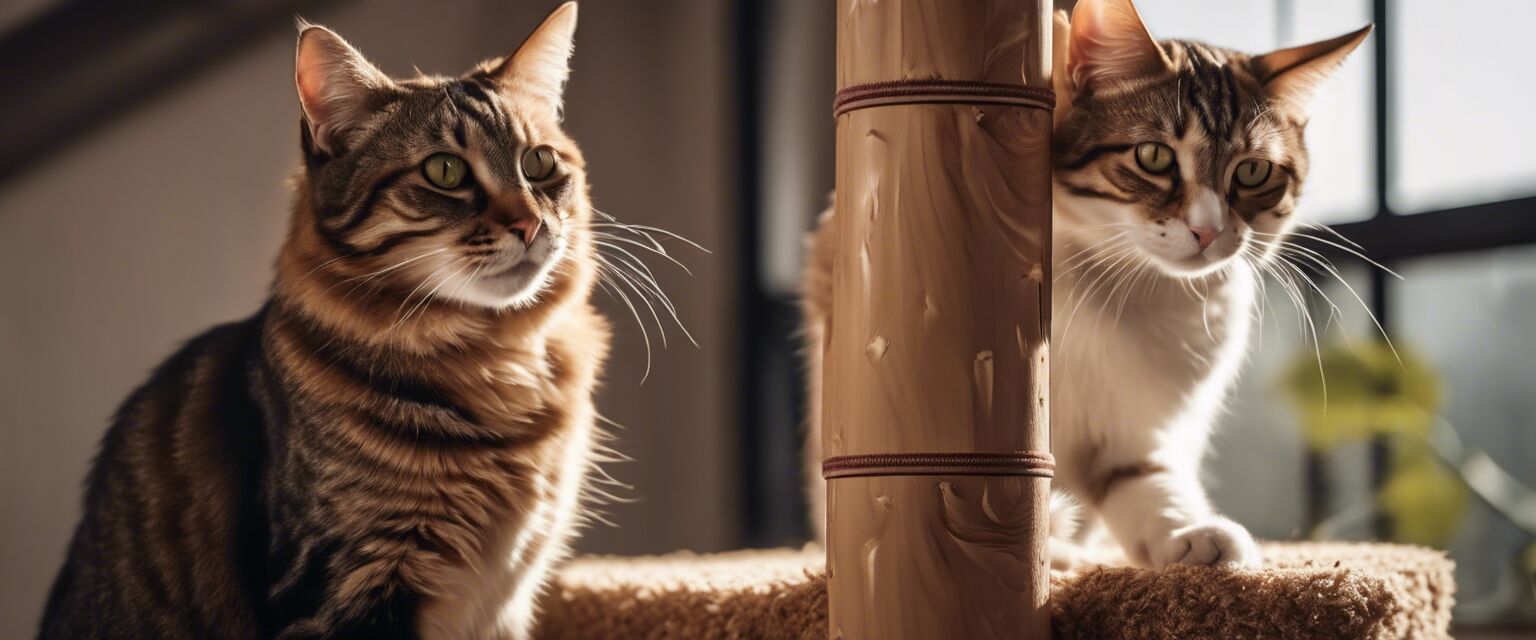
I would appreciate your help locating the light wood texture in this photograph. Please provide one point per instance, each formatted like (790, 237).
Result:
(938, 335)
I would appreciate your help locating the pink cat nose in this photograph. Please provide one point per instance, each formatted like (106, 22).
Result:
(1204, 235)
(517, 218)
(528, 228)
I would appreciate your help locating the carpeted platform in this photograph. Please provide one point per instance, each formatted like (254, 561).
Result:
(1306, 590)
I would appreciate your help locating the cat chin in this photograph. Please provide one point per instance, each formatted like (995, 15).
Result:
(1191, 268)
(517, 287)
(511, 286)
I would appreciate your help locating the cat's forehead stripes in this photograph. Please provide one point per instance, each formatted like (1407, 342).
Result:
(1221, 95)
(476, 108)
(1210, 108)
(1210, 86)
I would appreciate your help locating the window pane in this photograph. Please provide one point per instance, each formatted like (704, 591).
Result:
(1340, 185)
(1470, 316)
(1461, 128)
(1341, 136)
(1245, 26)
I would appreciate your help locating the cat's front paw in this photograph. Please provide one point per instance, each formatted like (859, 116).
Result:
(1218, 543)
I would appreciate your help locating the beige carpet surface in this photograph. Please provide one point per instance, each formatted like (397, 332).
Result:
(1306, 590)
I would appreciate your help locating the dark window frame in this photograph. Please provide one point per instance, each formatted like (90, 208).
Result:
(1389, 236)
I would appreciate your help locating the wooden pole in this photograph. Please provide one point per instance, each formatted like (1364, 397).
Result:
(936, 379)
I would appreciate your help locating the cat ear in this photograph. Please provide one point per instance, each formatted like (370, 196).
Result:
(1109, 44)
(542, 63)
(1292, 75)
(337, 86)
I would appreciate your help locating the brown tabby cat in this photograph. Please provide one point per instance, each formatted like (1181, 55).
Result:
(394, 446)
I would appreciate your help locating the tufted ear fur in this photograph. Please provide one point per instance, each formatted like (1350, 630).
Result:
(1109, 45)
(541, 65)
(338, 88)
(1292, 75)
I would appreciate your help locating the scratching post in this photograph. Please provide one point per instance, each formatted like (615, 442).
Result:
(935, 406)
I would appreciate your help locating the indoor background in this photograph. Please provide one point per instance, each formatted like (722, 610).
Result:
(144, 151)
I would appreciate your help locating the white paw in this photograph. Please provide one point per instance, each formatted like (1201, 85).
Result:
(1218, 543)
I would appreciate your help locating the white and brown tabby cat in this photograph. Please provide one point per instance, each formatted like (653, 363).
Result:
(395, 445)
(1177, 167)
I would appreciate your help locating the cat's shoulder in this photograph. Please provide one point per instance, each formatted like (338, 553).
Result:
(216, 350)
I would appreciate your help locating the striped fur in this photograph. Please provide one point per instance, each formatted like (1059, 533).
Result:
(395, 445)
(1212, 106)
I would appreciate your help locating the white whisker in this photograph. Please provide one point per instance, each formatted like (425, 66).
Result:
(658, 250)
(428, 298)
(643, 229)
(616, 291)
(365, 278)
(644, 299)
(424, 282)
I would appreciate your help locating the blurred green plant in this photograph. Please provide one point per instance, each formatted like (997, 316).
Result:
(1426, 500)
(1368, 391)
(1352, 392)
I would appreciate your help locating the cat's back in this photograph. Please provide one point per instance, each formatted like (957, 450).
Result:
(172, 538)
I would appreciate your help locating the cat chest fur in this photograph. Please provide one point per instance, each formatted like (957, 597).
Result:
(1166, 355)
(462, 496)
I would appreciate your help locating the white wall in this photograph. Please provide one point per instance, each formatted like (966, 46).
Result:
(118, 248)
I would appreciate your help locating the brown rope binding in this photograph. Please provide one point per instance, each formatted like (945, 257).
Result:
(880, 94)
(1018, 463)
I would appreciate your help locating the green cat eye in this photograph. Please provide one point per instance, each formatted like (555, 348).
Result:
(1252, 173)
(1154, 157)
(538, 163)
(445, 170)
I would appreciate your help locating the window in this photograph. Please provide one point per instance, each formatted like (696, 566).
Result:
(1461, 120)
(1470, 315)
